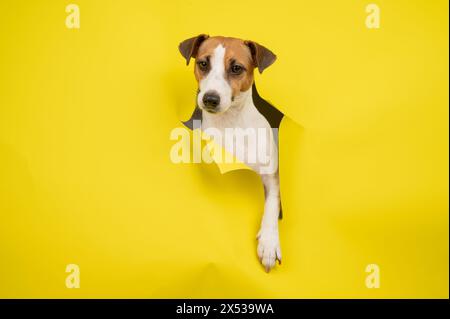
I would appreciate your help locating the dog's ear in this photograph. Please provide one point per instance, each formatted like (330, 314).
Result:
(262, 57)
(188, 48)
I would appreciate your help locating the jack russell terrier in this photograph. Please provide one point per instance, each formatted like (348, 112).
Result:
(226, 99)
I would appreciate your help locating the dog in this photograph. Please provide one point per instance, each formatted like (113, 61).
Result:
(224, 70)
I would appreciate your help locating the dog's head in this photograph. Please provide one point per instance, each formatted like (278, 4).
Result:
(224, 68)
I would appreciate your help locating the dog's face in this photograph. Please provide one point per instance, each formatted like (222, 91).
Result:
(224, 68)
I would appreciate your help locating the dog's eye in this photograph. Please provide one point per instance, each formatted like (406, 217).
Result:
(237, 69)
(203, 65)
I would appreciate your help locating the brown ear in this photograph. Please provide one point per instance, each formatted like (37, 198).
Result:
(262, 57)
(188, 48)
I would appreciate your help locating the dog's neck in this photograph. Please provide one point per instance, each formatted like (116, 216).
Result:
(238, 115)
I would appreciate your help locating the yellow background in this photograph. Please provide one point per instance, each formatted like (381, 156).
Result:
(85, 175)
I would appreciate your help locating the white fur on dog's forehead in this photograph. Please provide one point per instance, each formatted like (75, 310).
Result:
(215, 79)
(237, 46)
(217, 59)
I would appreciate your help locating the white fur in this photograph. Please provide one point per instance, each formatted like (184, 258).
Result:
(242, 113)
(215, 81)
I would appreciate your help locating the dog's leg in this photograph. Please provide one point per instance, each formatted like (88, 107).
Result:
(268, 238)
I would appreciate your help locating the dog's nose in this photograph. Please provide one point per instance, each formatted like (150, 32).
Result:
(211, 99)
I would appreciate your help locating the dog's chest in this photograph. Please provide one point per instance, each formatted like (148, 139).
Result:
(244, 133)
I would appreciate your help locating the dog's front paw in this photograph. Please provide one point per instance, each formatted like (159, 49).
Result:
(269, 250)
